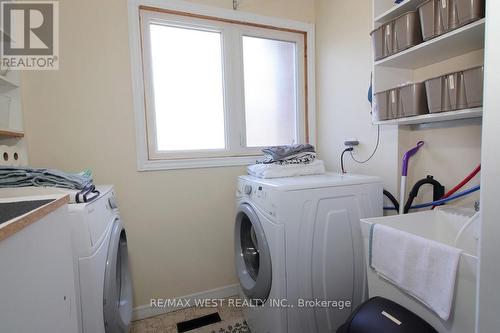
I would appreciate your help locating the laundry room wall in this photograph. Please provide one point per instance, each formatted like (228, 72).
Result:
(344, 63)
(343, 67)
(179, 222)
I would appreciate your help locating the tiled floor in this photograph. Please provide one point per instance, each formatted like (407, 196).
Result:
(232, 321)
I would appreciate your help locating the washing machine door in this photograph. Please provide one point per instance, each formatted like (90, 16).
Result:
(117, 283)
(253, 258)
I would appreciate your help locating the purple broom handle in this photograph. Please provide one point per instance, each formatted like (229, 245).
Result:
(407, 155)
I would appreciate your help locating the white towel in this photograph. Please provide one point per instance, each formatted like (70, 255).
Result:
(423, 268)
(316, 167)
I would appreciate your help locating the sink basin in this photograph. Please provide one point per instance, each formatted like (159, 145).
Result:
(17, 201)
(449, 226)
(11, 210)
(441, 225)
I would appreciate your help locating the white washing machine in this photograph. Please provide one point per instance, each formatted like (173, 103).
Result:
(104, 288)
(298, 241)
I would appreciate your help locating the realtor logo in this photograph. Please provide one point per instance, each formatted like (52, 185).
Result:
(29, 35)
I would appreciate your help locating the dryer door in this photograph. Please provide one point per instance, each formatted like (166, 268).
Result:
(253, 259)
(117, 283)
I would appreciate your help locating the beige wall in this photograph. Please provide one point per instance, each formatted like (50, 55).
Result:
(452, 150)
(179, 223)
(343, 65)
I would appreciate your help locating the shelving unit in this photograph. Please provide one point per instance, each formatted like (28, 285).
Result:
(435, 117)
(454, 51)
(457, 42)
(6, 133)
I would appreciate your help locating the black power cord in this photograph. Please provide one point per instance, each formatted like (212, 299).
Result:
(349, 149)
(374, 150)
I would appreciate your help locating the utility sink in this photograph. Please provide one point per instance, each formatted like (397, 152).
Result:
(15, 202)
(11, 210)
(451, 226)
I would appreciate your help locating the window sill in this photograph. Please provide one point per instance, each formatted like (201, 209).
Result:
(195, 163)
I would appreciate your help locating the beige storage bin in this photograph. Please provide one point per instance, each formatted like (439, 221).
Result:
(441, 16)
(412, 100)
(407, 32)
(442, 93)
(386, 105)
(465, 11)
(378, 43)
(434, 18)
(455, 91)
(380, 109)
(397, 35)
(383, 41)
(389, 39)
(473, 82)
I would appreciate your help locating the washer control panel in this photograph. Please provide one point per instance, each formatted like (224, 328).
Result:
(258, 194)
(247, 189)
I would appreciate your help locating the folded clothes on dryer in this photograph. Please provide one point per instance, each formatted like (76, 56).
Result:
(282, 152)
(304, 158)
(21, 176)
(273, 170)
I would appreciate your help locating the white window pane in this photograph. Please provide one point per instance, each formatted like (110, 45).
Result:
(270, 91)
(188, 88)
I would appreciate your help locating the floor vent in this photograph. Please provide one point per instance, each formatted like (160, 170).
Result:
(188, 325)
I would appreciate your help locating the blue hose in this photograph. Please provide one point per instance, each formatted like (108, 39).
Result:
(442, 201)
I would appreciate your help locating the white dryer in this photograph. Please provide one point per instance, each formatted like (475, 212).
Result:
(104, 288)
(298, 241)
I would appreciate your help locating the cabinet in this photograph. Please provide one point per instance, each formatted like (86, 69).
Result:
(453, 51)
(37, 289)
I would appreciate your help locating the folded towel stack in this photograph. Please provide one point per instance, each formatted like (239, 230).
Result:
(287, 161)
(294, 154)
(79, 185)
(20, 177)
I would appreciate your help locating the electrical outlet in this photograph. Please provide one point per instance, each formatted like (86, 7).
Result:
(351, 142)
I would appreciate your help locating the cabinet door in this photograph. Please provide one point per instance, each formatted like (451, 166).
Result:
(337, 259)
(37, 289)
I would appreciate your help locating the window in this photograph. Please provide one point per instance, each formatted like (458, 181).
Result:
(270, 103)
(187, 88)
(215, 91)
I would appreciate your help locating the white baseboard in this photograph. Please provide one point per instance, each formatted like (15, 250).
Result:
(146, 311)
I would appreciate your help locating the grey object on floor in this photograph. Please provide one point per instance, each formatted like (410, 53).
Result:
(21, 177)
(235, 328)
(282, 152)
(11, 210)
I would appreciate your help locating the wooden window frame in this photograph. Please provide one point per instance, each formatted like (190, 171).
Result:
(251, 25)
